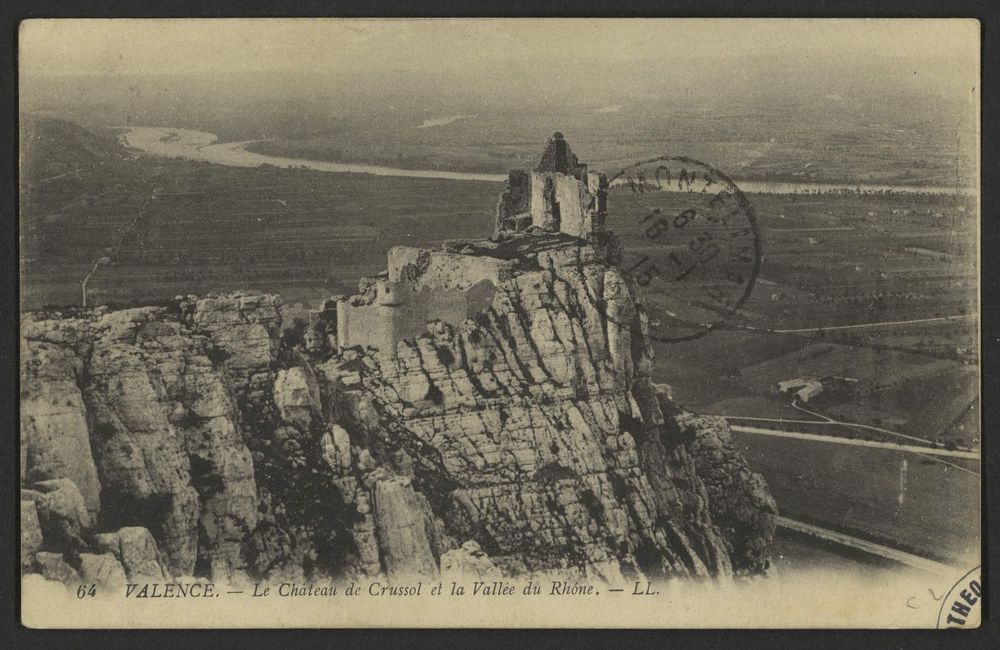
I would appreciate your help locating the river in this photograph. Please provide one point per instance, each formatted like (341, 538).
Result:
(198, 145)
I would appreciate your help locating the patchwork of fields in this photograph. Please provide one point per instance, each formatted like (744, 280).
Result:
(305, 235)
(834, 299)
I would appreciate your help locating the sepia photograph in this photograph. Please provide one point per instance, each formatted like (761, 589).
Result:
(500, 322)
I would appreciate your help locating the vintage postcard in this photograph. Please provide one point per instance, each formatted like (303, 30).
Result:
(500, 323)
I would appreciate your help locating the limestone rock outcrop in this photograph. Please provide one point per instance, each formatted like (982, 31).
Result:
(55, 440)
(739, 500)
(535, 426)
(468, 563)
(103, 570)
(226, 437)
(62, 514)
(135, 551)
(483, 409)
(53, 567)
(31, 533)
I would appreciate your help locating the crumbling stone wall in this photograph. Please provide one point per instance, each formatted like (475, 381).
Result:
(421, 286)
(571, 196)
(514, 206)
(444, 270)
(560, 195)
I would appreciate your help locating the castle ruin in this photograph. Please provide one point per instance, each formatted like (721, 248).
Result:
(558, 198)
(419, 286)
(560, 195)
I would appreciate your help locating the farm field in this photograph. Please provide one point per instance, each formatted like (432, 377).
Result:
(304, 235)
(885, 496)
(838, 289)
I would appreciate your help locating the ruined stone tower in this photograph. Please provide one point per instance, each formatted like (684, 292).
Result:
(559, 195)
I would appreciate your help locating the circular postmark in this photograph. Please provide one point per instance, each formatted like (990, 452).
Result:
(961, 608)
(690, 239)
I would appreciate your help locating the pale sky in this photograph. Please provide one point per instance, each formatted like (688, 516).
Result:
(127, 46)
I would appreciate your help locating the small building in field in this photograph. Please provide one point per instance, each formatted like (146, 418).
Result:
(803, 388)
(810, 390)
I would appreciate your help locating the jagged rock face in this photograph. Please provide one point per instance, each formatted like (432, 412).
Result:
(162, 433)
(224, 437)
(405, 527)
(167, 441)
(61, 511)
(55, 437)
(535, 431)
(739, 500)
(31, 533)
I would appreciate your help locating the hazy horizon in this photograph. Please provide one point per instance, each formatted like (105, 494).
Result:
(759, 96)
(81, 46)
(936, 56)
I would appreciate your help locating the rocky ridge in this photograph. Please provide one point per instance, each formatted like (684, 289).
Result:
(230, 438)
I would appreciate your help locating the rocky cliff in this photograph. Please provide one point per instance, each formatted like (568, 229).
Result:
(232, 438)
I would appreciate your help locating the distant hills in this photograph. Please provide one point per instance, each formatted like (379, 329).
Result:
(52, 147)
